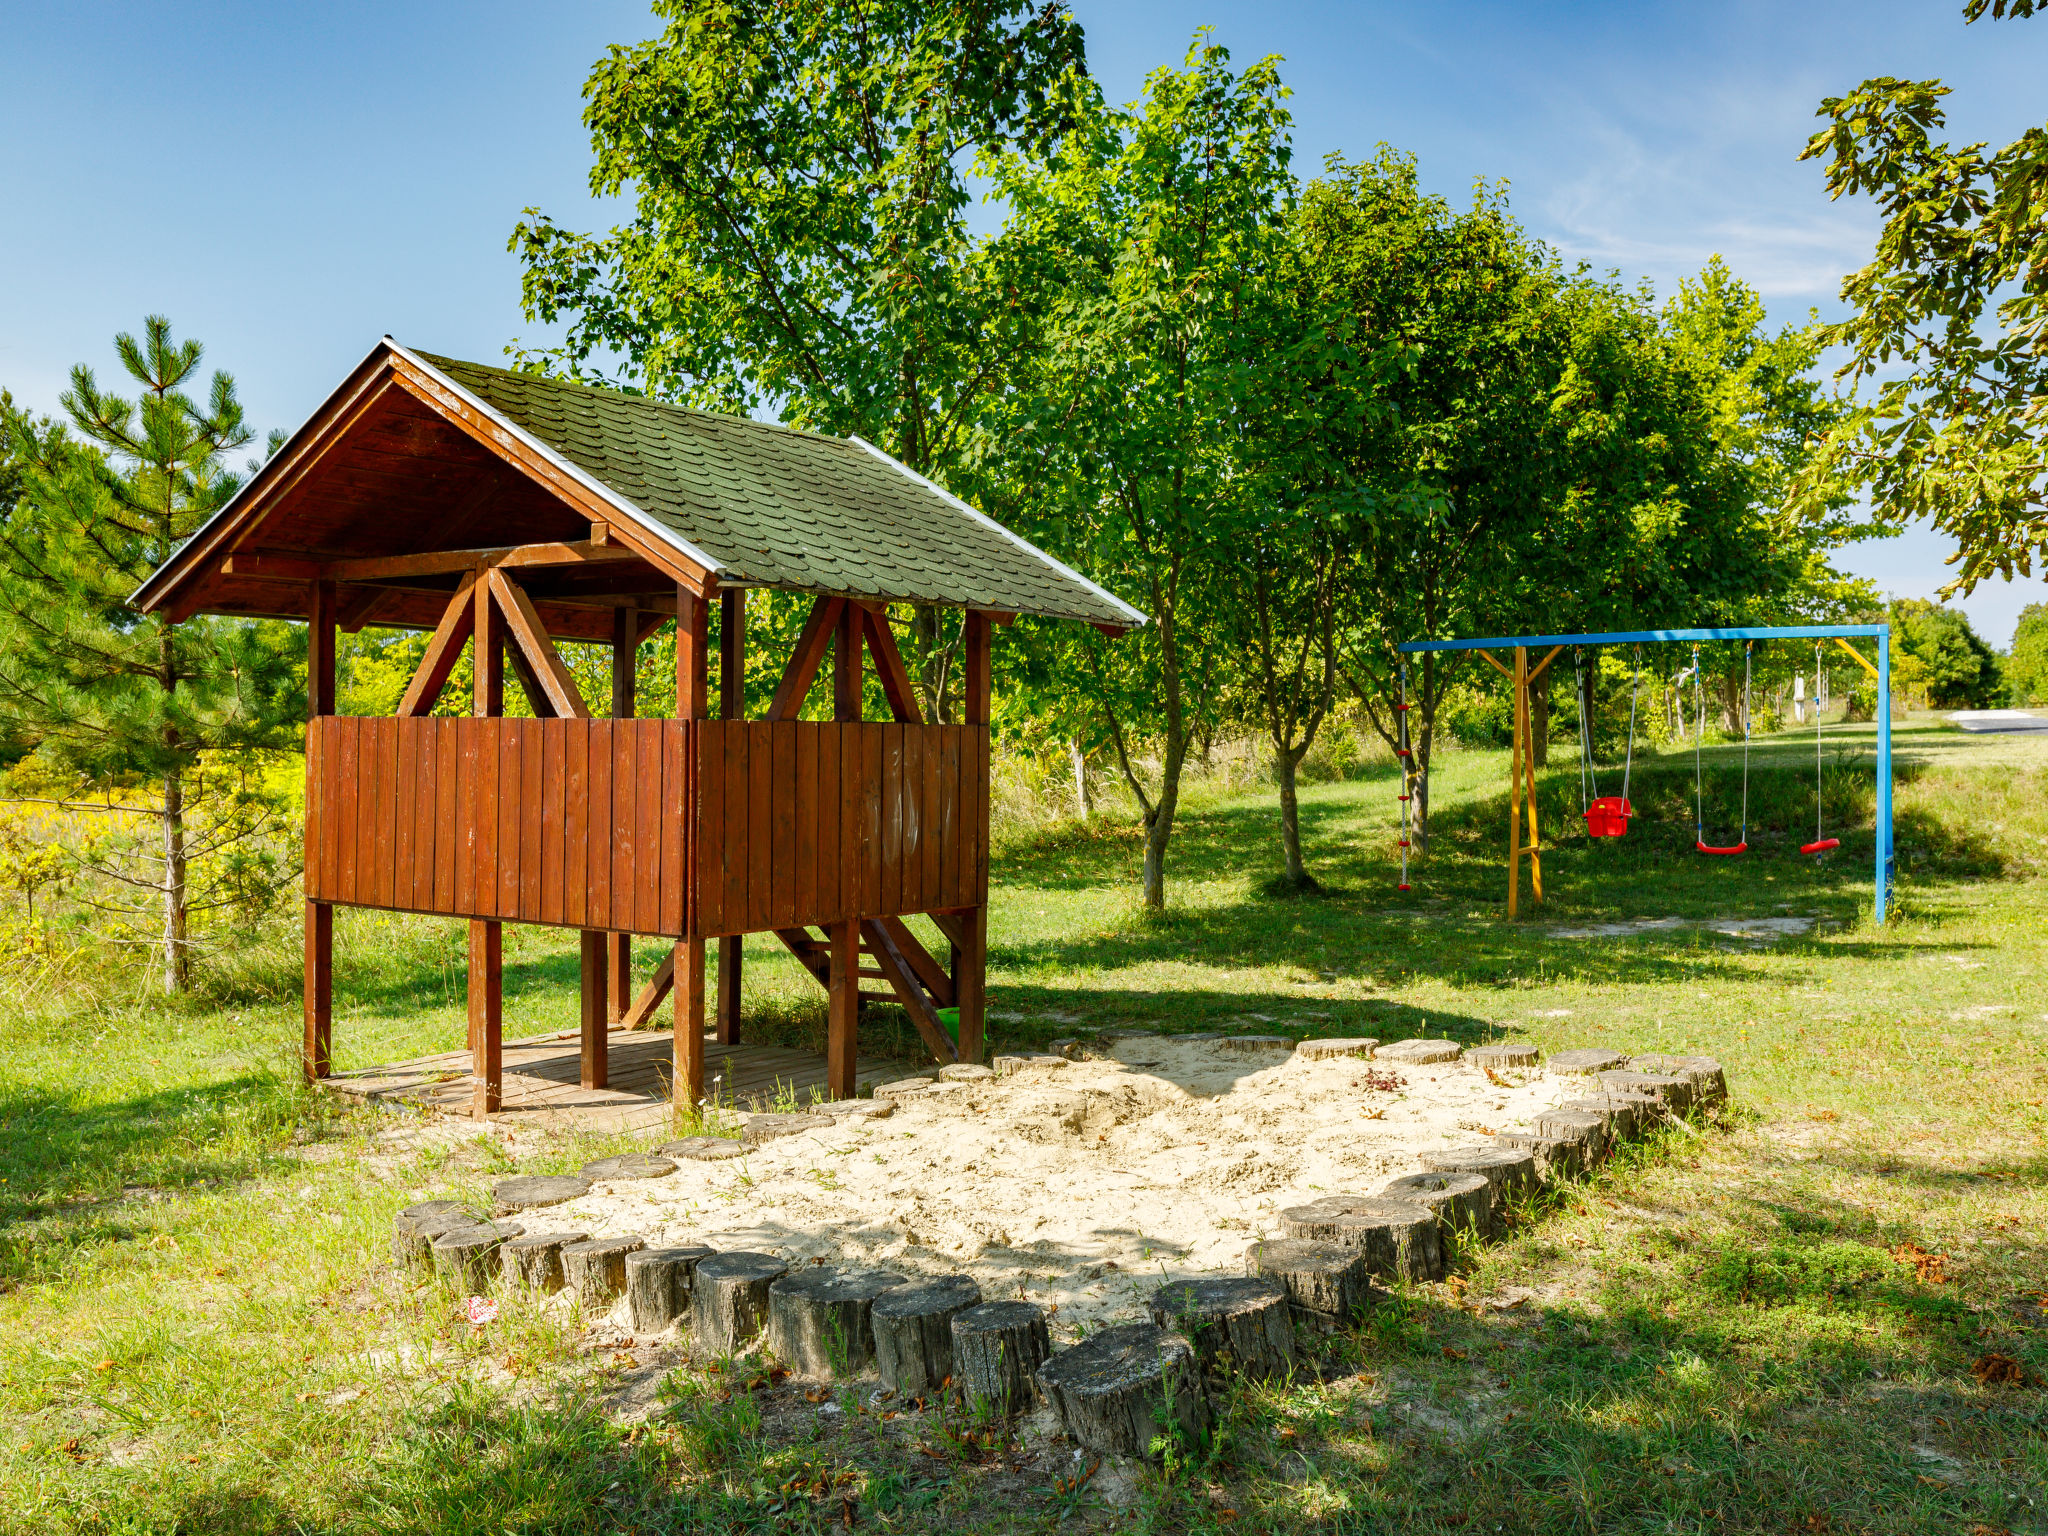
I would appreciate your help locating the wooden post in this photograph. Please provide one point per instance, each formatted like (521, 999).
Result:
(693, 702)
(1521, 722)
(846, 673)
(486, 940)
(319, 989)
(595, 1053)
(618, 958)
(732, 705)
(842, 1009)
(689, 1039)
(970, 969)
(1529, 801)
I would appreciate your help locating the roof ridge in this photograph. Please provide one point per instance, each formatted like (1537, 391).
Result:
(441, 360)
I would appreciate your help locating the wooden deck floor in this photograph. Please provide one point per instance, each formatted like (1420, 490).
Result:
(542, 1080)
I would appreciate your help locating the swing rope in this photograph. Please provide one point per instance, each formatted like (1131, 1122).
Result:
(1635, 688)
(1605, 815)
(1586, 769)
(1820, 843)
(1700, 727)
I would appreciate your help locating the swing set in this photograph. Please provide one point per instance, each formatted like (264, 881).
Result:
(1608, 815)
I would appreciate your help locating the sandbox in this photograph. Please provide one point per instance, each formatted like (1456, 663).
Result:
(1080, 1184)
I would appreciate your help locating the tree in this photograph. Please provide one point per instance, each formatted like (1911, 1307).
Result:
(1959, 438)
(1157, 228)
(114, 698)
(2026, 669)
(799, 241)
(1941, 657)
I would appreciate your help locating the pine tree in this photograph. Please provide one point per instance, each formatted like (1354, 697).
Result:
(118, 700)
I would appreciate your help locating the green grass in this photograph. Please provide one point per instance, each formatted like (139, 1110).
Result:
(1738, 1330)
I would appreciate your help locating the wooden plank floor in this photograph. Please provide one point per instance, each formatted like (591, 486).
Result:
(542, 1083)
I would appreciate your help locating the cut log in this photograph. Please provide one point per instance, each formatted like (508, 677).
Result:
(996, 1348)
(965, 1072)
(1512, 1174)
(1709, 1082)
(1463, 1203)
(1556, 1157)
(1254, 1045)
(1236, 1324)
(701, 1149)
(729, 1299)
(627, 1165)
(1024, 1061)
(1503, 1057)
(535, 1258)
(468, 1256)
(818, 1320)
(1324, 1050)
(902, 1087)
(414, 1229)
(838, 1110)
(1589, 1131)
(1124, 1390)
(658, 1284)
(1326, 1283)
(1623, 1117)
(1398, 1238)
(532, 1191)
(1587, 1060)
(763, 1128)
(1670, 1094)
(913, 1327)
(1419, 1053)
(596, 1269)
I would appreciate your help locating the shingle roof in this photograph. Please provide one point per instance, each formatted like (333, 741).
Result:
(777, 507)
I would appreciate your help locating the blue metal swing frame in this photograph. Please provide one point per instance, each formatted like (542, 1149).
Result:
(1882, 633)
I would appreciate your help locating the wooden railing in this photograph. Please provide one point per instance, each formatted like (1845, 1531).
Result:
(603, 823)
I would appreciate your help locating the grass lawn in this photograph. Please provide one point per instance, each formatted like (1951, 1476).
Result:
(1818, 1314)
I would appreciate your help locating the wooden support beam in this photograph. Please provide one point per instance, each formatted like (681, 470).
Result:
(526, 631)
(732, 705)
(1504, 671)
(928, 969)
(687, 1047)
(486, 1018)
(693, 656)
(625, 676)
(1537, 670)
(810, 954)
(359, 606)
(805, 659)
(846, 671)
(909, 992)
(444, 649)
(641, 1013)
(537, 698)
(273, 567)
(953, 925)
(446, 562)
(970, 968)
(487, 641)
(842, 1011)
(594, 1064)
(889, 666)
(319, 1053)
(976, 690)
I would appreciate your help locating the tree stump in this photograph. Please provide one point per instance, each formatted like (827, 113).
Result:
(996, 1347)
(627, 1165)
(1588, 1060)
(532, 1191)
(1123, 1389)
(1589, 1131)
(729, 1299)
(965, 1072)
(535, 1258)
(414, 1229)
(1503, 1057)
(468, 1256)
(1709, 1082)
(1556, 1157)
(1326, 1283)
(1325, 1050)
(1235, 1324)
(763, 1128)
(1673, 1095)
(1252, 1045)
(658, 1283)
(701, 1149)
(1397, 1238)
(1463, 1203)
(837, 1110)
(902, 1087)
(818, 1320)
(913, 1327)
(596, 1269)
(1020, 1061)
(1419, 1053)
(1512, 1174)
(1623, 1117)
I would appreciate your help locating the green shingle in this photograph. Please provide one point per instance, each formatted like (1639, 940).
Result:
(775, 507)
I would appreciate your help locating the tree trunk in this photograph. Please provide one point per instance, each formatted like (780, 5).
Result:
(1084, 802)
(997, 1348)
(1290, 817)
(1539, 720)
(1731, 703)
(177, 953)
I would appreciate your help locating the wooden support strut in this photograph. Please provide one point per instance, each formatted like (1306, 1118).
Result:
(693, 702)
(903, 981)
(319, 980)
(618, 955)
(486, 939)
(732, 705)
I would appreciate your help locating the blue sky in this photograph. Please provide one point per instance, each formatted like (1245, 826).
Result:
(290, 182)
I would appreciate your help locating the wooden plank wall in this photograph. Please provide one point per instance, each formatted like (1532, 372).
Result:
(804, 822)
(577, 823)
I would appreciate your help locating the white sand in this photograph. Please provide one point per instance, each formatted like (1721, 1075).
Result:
(1082, 1186)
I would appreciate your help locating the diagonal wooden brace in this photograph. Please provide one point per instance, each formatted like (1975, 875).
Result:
(909, 992)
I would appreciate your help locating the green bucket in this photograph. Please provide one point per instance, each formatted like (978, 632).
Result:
(950, 1017)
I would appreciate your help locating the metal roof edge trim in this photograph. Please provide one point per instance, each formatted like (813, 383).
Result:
(576, 471)
(165, 571)
(986, 521)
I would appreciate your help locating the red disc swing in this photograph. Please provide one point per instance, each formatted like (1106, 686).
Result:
(1605, 815)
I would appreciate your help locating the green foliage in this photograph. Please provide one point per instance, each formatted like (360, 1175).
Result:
(1938, 659)
(1949, 321)
(2026, 669)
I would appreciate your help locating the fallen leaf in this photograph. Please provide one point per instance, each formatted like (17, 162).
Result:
(1927, 1267)
(1999, 1370)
